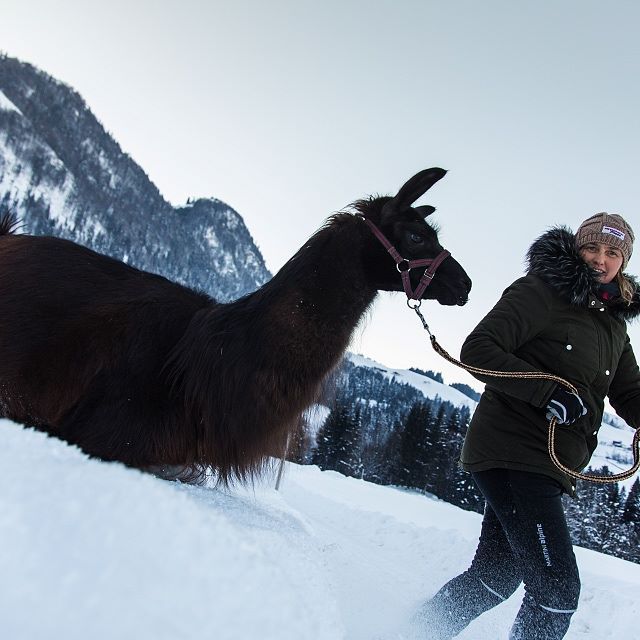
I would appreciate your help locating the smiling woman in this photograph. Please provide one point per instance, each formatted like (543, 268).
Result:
(605, 242)
(603, 259)
(565, 317)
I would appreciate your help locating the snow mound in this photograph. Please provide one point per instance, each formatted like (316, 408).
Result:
(96, 550)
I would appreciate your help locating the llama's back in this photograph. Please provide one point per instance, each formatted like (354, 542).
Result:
(77, 326)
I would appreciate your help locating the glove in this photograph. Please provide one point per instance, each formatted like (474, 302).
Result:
(567, 407)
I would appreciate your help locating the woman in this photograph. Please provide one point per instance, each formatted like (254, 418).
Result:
(566, 316)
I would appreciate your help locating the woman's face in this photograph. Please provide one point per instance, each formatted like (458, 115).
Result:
(605, 259)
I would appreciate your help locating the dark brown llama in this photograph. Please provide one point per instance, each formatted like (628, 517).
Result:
(132, 367)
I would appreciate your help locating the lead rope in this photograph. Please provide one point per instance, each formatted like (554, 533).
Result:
(635, 446)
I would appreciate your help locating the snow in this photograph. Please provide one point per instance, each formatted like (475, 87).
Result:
(13, 179)
(101, 551)
(231, 218)
(614, 449)
(315, 416)
(211, 238)
(92, 228)
(96, 550)
(18, 182)
(7, 105)
(102, 157)
(429, 388)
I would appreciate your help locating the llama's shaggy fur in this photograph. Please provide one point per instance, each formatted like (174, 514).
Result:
(135, 368)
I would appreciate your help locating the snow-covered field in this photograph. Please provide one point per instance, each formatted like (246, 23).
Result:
(95, 550)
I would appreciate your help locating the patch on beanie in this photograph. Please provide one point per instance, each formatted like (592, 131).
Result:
(613, 231)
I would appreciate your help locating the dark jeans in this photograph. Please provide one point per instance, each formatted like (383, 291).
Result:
(524, 537)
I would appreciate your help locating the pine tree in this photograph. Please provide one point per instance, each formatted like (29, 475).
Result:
(582, 515)
(391, 455)
(414, 448)
(374, 461)
(349, 449)
(340, 442)
(631, 512)
(608, 516)
(461, 489)
(595, 518)
(438, 459)
(325, 454)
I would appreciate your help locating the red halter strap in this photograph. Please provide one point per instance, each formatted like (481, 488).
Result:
(404, 266)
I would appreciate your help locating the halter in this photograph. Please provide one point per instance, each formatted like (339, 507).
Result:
(403, 265)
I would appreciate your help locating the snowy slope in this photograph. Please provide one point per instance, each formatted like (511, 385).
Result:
(95, 550)
(430, 388)
(101, 551)
(614, 449)
(7, 105)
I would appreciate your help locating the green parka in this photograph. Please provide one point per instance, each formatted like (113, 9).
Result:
(550, 320)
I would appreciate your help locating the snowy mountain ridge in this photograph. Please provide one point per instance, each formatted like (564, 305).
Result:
(428, 387)
(62, 174)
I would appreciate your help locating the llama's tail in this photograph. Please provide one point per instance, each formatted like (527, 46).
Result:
(9, 224)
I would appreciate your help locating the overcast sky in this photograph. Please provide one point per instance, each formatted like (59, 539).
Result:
(288, 110)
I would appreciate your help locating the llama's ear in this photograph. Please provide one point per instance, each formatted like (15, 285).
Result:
(415, 187)
(425, 210)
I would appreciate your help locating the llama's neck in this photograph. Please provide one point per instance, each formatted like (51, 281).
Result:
(292, 331)
(248, 369)
(252, 366)
(321, 294)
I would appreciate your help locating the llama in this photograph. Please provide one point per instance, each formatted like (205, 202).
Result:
(132, 367)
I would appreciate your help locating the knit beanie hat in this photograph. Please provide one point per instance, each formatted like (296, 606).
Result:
(608, 228)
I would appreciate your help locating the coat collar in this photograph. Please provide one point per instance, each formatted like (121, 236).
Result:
(553, 257)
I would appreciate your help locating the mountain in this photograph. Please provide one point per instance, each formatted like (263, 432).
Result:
(96, 550)
(64, 175)
(429, 387)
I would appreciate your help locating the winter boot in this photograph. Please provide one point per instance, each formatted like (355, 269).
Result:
(459, 602)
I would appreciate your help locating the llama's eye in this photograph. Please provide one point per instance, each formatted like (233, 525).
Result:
(415, 238)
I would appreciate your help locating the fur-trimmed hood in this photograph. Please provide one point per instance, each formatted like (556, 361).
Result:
(554, 258)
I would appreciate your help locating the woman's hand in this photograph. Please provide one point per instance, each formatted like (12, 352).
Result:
(566, 406)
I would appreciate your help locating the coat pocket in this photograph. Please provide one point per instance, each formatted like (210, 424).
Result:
(571, 447)
(581, 354)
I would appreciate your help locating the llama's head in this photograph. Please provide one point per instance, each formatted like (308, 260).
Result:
(405, 228)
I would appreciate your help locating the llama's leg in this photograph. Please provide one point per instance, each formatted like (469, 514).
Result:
(120, 419)
(492, 577)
